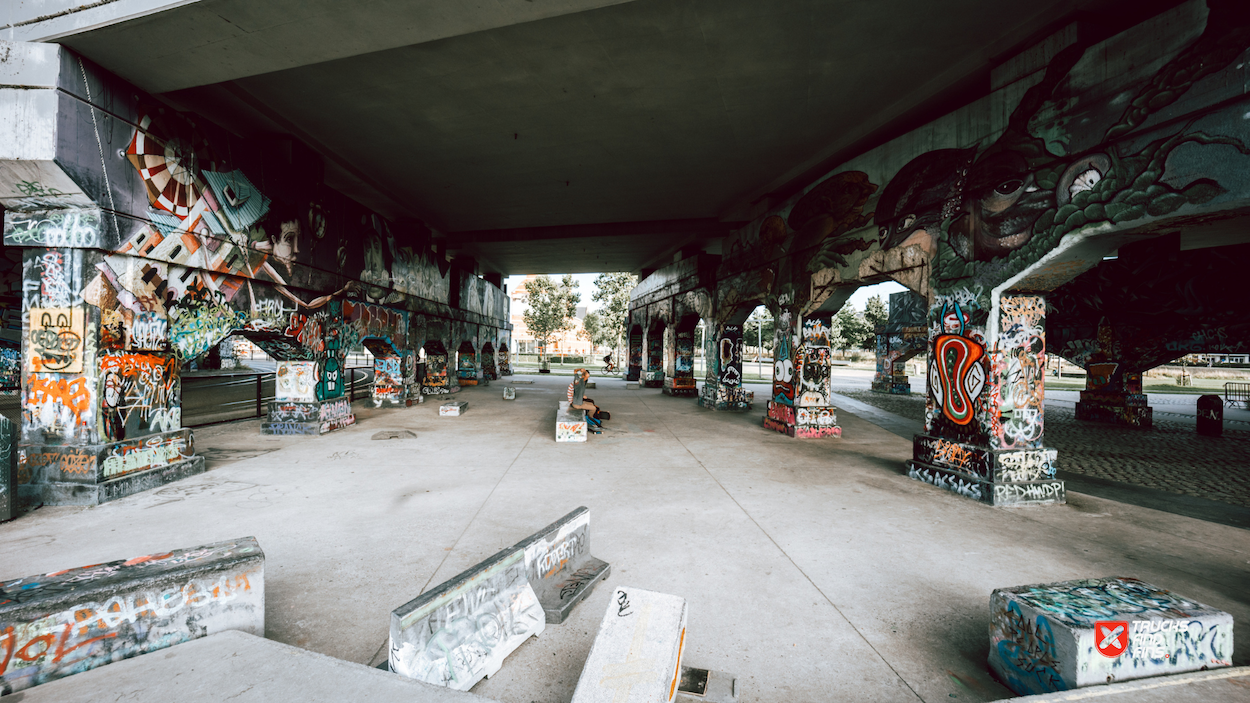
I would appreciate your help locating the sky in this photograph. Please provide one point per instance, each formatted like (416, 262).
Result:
(586, 286)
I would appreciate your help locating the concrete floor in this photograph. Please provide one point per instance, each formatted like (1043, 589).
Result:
(814, 570)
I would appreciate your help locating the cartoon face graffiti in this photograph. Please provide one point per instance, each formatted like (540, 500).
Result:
(1001, 204)
(921, 195)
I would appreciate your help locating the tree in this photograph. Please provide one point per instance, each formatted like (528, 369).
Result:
(612, 290)
(550, 308)
(854, 328)
(876, 312)
(596, 332)
(758, 328)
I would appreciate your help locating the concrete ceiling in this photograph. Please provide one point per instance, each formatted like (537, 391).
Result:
(572, 135)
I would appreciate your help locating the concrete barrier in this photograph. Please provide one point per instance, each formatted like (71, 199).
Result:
(289, 417)
(1062, 636)
(570, 424)
(241, 668)
(66, 622)
(636, 656)
(509, 393)
(461, 631)
(453, 409)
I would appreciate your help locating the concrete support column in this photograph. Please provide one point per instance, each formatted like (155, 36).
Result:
(633, 371)
(679, 362)
(723, 388)
(984, 415)
(653, 377)
(466, 365)
(438, 380)
(895, 346)
(490, 371)
(101, 389)
(802, 405)
(1114, 394)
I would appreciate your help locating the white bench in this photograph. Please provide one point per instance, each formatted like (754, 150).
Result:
(454, 408)
(570, 424)
(636, 655)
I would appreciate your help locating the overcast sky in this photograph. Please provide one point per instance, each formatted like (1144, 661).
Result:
(586, 286)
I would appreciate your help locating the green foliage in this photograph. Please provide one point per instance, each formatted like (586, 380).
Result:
(597, 332)
(550, 307)
(759, 327)
(612, 290)
(852, 328)
(876, 312)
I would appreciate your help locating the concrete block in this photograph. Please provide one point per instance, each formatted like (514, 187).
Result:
(591, 384)
(1054, 637)
(509, 393)
(559, 565)
(241, 668)
(454, 408)
(632, 386)
(460, 631)
(636, 655)
(63, 623)
(570, 424)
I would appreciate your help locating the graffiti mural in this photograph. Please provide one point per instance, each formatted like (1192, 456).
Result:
(489, 371)
(814, 360)
(729, 355)
(785, 347)
(140, 393)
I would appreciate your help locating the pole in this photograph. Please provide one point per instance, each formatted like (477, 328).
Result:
(260, 391)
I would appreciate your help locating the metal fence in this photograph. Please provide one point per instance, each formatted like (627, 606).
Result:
(223, 397)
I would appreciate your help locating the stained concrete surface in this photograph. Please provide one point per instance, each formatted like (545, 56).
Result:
(814, 569)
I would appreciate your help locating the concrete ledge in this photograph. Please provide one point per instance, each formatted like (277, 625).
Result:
(241, 668)
(636, 656)
(460, 631)
(453, 409)
(1054, 637)
(68, 622)
(570, 424)
(1223, 686)
(290, 428)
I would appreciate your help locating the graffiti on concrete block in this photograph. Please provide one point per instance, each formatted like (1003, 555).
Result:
(952, 482)
(955, 456)
(1018, 493)
(1027, 465)
(785, 344)
(729, 355)
(816, 417)
(147, 453)
(108, 612)
(457, 637)
(291, 428)
(286, 411)
(55, 342)
(61, 228)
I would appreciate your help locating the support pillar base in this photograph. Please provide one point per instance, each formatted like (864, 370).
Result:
(730, 398)
(802, 423)
(680, 387)
(892, 387)
(1126, 409)
(653, 379)
(996, 477)
(65, 493)
(297, 418)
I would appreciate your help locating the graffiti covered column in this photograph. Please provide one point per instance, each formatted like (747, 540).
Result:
(1113, 390)
(101, 401)
(802, 405)
(723, 388)
(984, 412)
(902, 337)
(654, 375)
(633, 371)
(679, 379)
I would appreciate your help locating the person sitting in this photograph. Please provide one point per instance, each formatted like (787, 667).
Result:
(579, 401)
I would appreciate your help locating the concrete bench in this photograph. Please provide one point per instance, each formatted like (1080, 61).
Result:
(241, 668)
(460, 631)
(570, 424)
(1072, 634)
(636, 655)
(67, 622)
(453, 409)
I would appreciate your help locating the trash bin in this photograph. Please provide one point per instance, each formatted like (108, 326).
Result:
(1210, 415)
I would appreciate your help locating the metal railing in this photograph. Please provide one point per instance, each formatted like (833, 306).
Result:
(216, 398)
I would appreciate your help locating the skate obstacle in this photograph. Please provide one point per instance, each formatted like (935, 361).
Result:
(1061, 636)
(67, 622)
(461, 631)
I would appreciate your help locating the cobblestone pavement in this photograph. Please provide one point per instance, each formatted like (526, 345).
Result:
(1172, 457)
